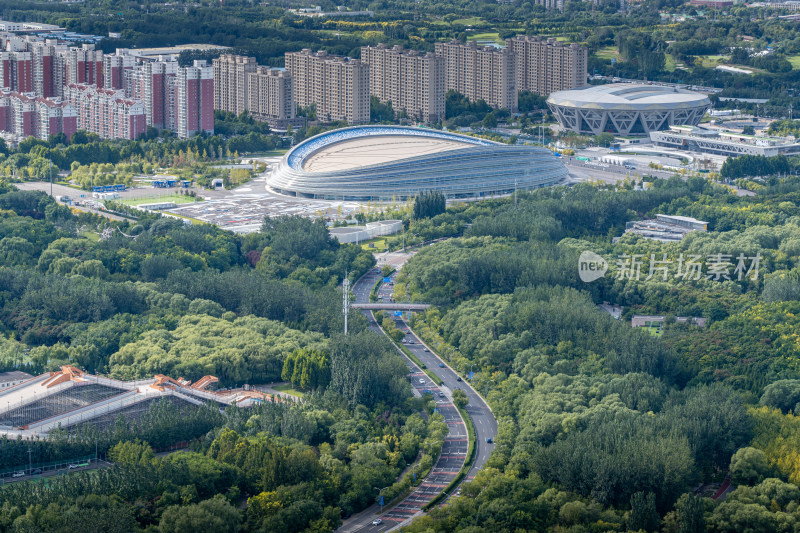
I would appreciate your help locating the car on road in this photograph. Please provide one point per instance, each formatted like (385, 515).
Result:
(377, 522)
(422, 381)
(425, 350)
(18, 474)
(441, 365)
(36, 471)
(73, 467)
(488, 440)
(441, 394)
(458, 378)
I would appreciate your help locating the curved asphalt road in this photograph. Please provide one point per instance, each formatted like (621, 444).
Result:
(456, 444)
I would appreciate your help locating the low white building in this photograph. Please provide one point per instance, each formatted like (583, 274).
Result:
(371, 230)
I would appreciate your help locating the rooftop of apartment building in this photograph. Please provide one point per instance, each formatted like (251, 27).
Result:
(400, 50)
(322, 54)
(475, 46)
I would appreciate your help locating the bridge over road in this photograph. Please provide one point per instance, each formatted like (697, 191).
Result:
(394, 306)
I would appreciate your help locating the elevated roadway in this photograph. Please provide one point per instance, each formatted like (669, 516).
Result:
(390, 306)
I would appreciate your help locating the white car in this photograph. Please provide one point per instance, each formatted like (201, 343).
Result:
(422, 381)
(377, 522)
(18, 474)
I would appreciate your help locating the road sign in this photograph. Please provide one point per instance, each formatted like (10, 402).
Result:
(380, 500)
(470, 374)
(387, 280)
(398, 313)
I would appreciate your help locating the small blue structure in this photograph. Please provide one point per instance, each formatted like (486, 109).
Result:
(186, 184)
(120, 187)
(97, 189)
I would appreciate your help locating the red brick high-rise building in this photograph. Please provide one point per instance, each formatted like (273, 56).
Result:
(194, 100)
(105, 112)
(16, 73)
(35, 117)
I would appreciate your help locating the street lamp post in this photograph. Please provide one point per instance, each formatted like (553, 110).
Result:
(380, 496)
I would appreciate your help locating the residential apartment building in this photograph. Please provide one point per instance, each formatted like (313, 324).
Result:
(412, 81)
(114, 67)
(480, 73)
(193, 97)
(83, 65)
(231, 82)
(269, 96)
(16, 71)
(242, 85)
(106, 112)
(57, 86)
(180, 99)
(545, 66)
(337, 86)
(43, 69)
(150, 84)
(26, 116)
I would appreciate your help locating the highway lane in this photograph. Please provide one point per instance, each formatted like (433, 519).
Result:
(455, 447)
(480, 413)
(450, 460)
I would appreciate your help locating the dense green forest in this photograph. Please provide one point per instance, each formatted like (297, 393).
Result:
(158, 296)
(610, 425)
(601, 425)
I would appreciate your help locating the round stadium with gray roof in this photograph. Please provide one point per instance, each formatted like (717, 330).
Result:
(382, 163)
(627, 108)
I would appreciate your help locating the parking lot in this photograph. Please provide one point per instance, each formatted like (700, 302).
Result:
(243, 209)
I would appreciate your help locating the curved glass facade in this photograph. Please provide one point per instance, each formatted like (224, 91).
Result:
(485, 169)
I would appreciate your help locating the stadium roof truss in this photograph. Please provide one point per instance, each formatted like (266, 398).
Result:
(625, 109)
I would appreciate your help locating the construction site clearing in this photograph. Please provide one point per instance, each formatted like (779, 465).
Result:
(72, 397)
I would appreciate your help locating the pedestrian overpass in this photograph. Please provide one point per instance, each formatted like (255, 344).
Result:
(394, 306)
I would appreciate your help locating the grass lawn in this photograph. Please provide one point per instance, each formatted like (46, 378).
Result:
(472, 21)
(607, 52)
(377, 245)
(795, 61)
(91, 235)
(152, 199)
(712, 61)
(656, 329)
(268, 153)
(287, 389)
(669, 63)
(488, 36)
